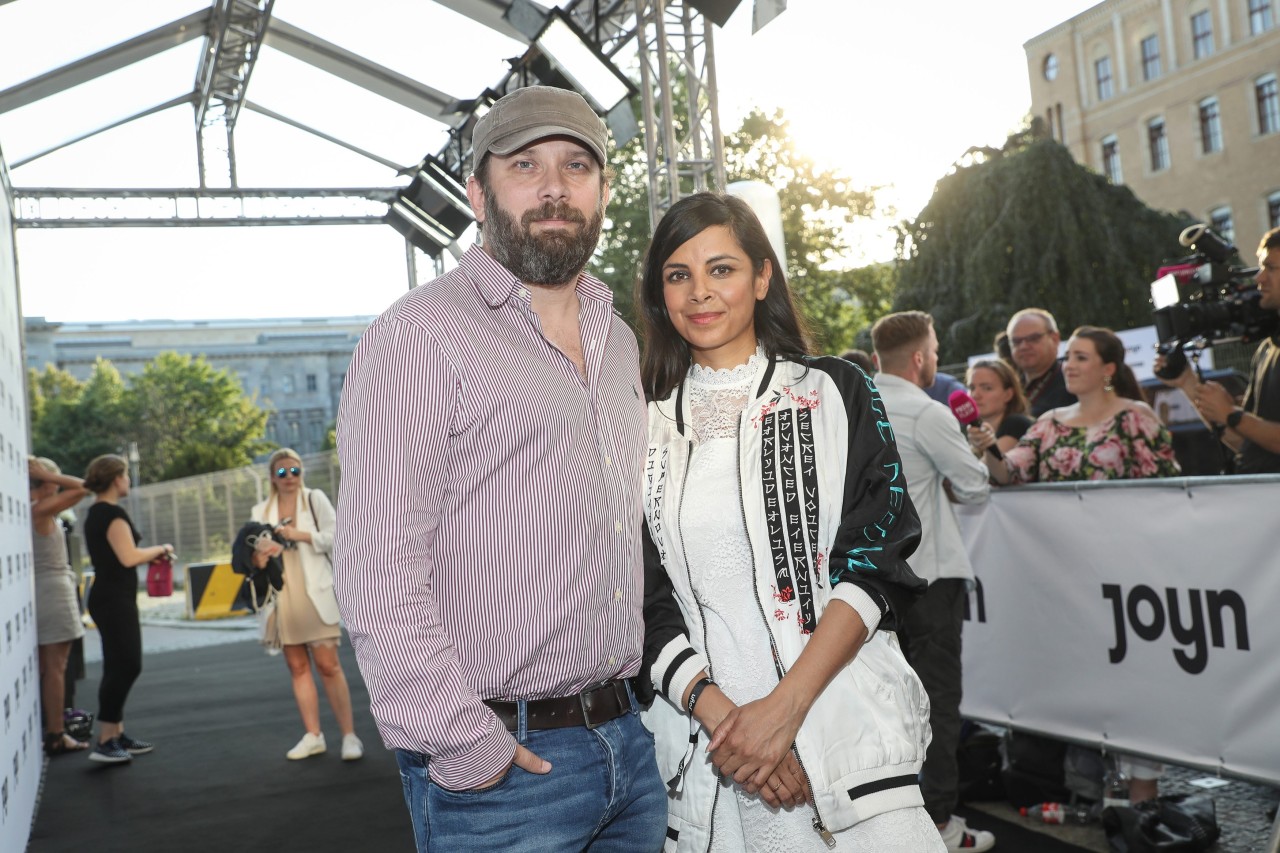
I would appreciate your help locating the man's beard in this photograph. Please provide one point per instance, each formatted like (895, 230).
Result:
(552, 258)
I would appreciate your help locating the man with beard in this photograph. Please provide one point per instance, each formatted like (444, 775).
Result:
(488, 556)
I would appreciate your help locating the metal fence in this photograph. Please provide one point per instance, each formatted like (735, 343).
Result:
(201, 515)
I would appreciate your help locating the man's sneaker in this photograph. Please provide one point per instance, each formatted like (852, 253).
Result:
(110, 752)
(352, 748)
(309, 745)
(958, 836)
(134, 746)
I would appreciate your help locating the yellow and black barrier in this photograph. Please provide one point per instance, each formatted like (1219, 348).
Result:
(215, 591)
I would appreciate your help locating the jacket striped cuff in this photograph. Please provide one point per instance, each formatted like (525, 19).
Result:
(858, 598)
(678, 664)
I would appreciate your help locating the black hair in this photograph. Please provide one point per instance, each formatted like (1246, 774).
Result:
(780, 331)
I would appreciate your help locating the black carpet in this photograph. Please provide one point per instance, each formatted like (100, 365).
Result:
(222, 718)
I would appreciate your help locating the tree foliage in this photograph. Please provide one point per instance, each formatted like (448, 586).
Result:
(1027, 226)
(817, 205)
(186, 416)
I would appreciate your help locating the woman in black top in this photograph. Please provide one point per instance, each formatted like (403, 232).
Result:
(1002, 405)
(112, 542)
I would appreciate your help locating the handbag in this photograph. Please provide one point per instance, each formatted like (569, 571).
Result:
(1182, 823)
(268, 626)
(160, 577)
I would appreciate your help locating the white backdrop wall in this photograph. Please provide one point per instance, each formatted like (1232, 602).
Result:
(1140, 616)
(21, 758)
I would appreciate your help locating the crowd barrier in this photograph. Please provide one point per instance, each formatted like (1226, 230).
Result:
(1137, 616)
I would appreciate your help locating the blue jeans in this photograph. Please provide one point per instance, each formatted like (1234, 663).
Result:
(603, 794)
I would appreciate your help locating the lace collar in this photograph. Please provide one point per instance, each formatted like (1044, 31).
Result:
(728, 376)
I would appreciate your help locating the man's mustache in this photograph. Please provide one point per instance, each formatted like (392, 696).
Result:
(553, 211)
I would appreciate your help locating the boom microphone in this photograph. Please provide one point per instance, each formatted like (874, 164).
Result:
(966, 412)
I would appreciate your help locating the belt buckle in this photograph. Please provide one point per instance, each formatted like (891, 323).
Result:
(586, 714)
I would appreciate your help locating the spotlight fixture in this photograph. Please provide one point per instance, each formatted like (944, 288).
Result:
(433, 211)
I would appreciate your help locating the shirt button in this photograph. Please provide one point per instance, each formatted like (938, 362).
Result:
(608, 460)
(617, 527)
(617, 595)
(612, 660)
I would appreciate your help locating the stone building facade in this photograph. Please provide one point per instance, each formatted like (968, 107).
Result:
(294, 368)
(1176, 99)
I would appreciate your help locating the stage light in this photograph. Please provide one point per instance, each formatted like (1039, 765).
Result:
(433, 211)
(570, 52)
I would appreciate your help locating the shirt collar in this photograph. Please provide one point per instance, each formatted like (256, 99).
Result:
(497, 285)
(892, 380)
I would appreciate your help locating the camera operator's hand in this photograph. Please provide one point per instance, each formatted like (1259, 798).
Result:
(1214, 402)
(1186, 380)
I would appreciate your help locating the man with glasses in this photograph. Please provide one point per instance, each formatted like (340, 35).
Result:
(488, 559)
(1034, 340)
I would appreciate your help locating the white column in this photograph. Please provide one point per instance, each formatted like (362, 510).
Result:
(1170, 47)
(1117, 27)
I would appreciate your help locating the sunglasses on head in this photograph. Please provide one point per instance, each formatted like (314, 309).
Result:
(295, 471)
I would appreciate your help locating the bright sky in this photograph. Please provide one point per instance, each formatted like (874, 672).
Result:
(888, 93)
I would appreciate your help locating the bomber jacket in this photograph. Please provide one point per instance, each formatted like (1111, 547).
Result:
(827, 516)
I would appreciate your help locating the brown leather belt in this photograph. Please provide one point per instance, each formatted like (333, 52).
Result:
(593, 707)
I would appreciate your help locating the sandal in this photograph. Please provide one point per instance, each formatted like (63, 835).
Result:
(58, 743)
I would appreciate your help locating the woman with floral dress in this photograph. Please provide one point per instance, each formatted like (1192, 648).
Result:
(1108, 434)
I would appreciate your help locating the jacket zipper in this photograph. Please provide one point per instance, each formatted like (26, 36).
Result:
(819, 826)
(684, 480)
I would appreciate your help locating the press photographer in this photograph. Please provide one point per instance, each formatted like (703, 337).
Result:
(1214, 303)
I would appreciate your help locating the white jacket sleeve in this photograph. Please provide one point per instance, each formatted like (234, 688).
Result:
(939, 436)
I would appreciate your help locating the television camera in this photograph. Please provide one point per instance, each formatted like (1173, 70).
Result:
(1202, 301)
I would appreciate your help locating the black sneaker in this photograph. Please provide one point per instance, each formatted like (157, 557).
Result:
(110, 752)
(134, 747)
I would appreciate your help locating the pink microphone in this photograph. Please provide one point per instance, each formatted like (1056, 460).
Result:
(966, 412)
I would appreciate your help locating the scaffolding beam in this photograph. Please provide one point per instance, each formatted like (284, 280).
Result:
(236, 31)
(46, 207)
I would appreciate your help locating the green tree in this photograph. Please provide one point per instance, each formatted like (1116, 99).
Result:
(73, 421)
(1026, 226)
(190, 418)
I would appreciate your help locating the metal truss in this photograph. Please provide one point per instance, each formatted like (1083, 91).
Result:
(685, 152)
(102, 208)
(236, 31)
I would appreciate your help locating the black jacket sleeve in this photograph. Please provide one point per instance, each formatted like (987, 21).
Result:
(879, 526)
(664, 626)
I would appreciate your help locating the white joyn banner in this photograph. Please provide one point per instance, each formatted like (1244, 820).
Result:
(1141, 616)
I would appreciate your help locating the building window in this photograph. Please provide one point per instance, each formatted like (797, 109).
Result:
(1201, 34)
(1051, 67)
(1268, 104)
(264, 386)
(1273, 210)
(1111, 160)
(1158, 145)
(1259, 16)
(286, 383)
(1210, 126)
(1150, 58)
(311, 382)
(1102, 71)
(1221, 222)
(295, 429)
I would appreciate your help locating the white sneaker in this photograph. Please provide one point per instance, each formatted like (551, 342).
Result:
(352, 748)
(958, 836)
(309, 745)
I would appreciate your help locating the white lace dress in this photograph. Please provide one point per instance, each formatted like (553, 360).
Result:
(715, 538)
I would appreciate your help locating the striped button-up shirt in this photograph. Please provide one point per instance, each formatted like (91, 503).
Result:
(488, 536)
